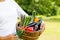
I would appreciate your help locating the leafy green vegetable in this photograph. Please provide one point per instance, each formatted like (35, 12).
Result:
(26, 21)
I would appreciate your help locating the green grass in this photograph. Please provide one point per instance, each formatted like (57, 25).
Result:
(52, 31)
(52, 18)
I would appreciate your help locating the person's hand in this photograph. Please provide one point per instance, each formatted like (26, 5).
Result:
(42, 27)
(11, 37)
(2, 38)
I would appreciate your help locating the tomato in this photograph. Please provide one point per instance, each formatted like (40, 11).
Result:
(30, 29)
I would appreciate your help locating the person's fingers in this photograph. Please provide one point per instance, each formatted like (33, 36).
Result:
(9, 37)
(2, 38)
(12, 37)
(42, 27)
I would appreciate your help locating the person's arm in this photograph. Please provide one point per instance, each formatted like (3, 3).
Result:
(19, 10)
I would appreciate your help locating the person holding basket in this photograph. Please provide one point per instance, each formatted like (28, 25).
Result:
(9, 12)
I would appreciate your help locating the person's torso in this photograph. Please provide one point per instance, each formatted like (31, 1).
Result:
(8, 18)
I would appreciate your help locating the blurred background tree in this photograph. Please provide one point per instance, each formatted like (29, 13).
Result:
(41, 7)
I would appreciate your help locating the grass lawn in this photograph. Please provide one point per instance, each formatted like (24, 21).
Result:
(52, 31)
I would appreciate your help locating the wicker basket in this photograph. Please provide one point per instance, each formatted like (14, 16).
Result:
(24, 37)
(30, 35)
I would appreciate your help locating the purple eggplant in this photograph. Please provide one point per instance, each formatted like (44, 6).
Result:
(32, 24)
(39, 24)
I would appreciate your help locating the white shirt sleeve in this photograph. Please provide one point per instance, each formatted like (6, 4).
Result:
(20, 11)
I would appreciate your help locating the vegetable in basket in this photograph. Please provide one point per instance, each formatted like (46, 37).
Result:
(19, 33)
(37, 27)
(36, 23)
(30, 29)
(24, 22)
(29, 23)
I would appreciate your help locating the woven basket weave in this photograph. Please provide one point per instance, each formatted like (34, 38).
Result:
(24, 37)
(30, 35)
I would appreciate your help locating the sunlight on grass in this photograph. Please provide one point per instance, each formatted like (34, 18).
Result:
(52, 31)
